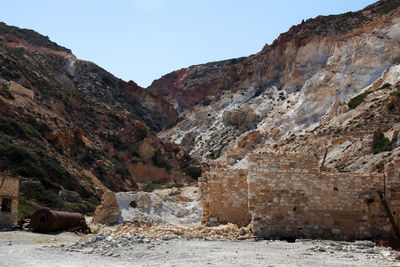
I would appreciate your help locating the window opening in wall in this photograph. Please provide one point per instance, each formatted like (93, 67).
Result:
(6, 205)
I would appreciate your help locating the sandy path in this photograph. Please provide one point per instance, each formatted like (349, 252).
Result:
(19, 248)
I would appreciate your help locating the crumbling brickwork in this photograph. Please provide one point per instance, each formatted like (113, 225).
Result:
(287, 196)
(9, 189)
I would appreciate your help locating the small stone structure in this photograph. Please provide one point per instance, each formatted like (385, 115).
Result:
(287, 196)
(9, 189)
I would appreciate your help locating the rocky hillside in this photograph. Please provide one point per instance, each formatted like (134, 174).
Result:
(328, 84)
(72, 130)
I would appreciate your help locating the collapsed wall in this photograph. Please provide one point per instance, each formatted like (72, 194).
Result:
(287, 196)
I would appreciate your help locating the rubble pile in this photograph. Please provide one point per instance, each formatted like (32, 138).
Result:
(132, 240)
(174, 231)
(125, 237)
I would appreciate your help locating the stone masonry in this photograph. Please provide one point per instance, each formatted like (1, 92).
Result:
(287, 196)
(9, 189)
(224, 197)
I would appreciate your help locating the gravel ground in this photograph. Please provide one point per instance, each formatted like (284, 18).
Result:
(18, 248)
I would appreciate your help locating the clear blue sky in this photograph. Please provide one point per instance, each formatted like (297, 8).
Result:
(142, 40)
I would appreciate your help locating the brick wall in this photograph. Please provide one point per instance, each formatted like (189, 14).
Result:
(224, 197)
(9, 188)
(287, 196)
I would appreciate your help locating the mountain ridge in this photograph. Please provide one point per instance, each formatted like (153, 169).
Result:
(271, 100)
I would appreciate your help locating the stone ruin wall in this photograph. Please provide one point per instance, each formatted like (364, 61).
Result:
(224, 197)
(288, 197)
(9, 188)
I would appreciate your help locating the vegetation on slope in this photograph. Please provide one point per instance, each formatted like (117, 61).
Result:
(31, 37)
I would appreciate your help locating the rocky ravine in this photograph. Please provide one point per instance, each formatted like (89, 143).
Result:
(294, 94)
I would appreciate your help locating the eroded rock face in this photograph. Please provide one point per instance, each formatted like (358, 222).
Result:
(295, 91)
(243, 119)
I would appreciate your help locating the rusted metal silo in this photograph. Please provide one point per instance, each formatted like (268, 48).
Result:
(46, 220)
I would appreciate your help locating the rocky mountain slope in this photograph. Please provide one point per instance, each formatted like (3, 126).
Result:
(72, 130)
(328, 84)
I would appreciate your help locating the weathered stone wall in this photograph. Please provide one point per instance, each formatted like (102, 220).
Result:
(287, 196)
(9, 188)
(224, 197)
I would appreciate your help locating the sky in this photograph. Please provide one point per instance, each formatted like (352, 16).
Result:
(141, 40)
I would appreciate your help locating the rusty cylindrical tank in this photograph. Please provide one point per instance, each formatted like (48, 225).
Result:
(46, 220)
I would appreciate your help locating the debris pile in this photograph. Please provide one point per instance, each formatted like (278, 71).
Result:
(174, 231)
(122, 239)
(131, 240)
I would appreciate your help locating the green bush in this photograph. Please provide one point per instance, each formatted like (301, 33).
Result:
(175, 193)
(354, 102)
(206, 101)
(27, 169)
(380, 143)
(52, 167)
(41, 127)
(6, 93)
(387, 6)
(175, 122)
(160, 161)
(192, 171)
(26, 209)
(91, 155)
(15, 153)
(173, 186)
(100, 172)
(15, 128)
(150, 187)
(92, 200)
(80, 208)
(386, 85)
(41, 195)
(22, 163)
(140, 133)
(121, 169)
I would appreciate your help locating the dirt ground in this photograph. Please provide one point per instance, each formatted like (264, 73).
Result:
(20, 248)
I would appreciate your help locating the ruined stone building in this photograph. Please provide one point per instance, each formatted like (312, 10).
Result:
(9, 189)
(287, 196)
